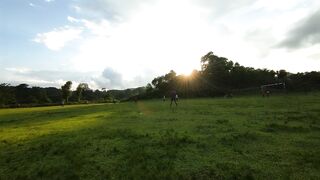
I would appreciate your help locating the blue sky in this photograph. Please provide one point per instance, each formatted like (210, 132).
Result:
(126, 43)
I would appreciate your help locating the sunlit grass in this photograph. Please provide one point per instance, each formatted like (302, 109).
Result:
(28, 131)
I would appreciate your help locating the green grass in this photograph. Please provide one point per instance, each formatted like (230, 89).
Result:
(239, 138)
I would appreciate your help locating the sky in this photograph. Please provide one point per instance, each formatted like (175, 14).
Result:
(117, 44)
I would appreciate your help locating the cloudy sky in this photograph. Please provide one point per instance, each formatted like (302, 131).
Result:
(126, 43)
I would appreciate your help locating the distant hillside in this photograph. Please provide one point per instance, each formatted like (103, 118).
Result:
(126, 93)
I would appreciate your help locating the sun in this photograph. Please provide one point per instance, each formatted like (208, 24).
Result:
(185, 72)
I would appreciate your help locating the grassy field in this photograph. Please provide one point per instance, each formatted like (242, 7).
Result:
(239, 138)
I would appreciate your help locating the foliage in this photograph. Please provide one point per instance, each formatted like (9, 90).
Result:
(126, 94)
(6, 94)
(81, 87)
(222, 77)
(66, 90)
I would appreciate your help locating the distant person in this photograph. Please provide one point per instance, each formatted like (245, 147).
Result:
(177, 97)
(164, 98)
(268, 93)
(265, 92)
(173, 98)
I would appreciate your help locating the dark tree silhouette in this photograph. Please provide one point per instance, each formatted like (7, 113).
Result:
(66, 91)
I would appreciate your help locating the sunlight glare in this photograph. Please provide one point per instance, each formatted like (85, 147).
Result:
(185, 71)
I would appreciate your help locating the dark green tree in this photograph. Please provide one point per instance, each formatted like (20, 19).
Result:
(81, 87)
(282, 75)
(149, 88)
(7, 95)
(23, 94)
(39, 95)
(66, 91)
(216, 73)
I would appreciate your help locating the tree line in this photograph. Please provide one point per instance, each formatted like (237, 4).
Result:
(218, 77)
(23, 95)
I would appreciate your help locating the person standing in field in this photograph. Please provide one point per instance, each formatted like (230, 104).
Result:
(173, 98)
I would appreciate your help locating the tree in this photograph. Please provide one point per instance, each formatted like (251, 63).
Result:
(23, 94)
(7, 95)
(216, 73)
(39, 95)
(54, 94)
(66, 90)
(149, 88)
(108, 96)
(282, 75)
(81, 87)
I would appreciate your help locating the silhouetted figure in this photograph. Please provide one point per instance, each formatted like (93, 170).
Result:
(265, 92)
(268, 93)
(173, 97)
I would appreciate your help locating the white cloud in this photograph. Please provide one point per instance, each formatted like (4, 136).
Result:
(150, 39)
(72, 19)
(109, 78)
(77, 8)
(44, 78)
(157, 41)
(272, 5)
(57, 39)
(103, 28)
(140, 41)
(111, 9)
(18, 70)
